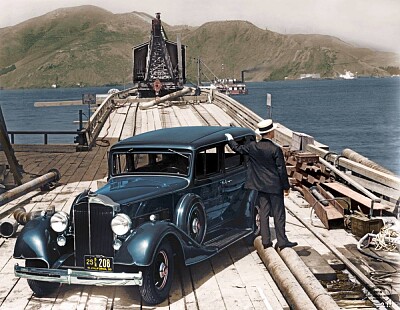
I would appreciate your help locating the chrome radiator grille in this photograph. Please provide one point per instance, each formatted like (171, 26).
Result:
(93, 234)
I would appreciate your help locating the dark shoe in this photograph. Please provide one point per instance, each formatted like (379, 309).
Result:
(288, 245)
(268, 245)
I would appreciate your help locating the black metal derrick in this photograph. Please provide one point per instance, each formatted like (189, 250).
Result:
(159, 64)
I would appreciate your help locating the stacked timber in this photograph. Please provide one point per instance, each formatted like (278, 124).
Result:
(304, 169)
(329, 199)
(307, 175)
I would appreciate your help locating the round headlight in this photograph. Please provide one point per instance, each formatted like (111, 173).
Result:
(121, 224)
(59, 221)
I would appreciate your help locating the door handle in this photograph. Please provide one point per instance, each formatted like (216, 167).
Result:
(224, 182)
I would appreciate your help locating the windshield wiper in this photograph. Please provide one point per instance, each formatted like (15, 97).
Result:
(175, 152)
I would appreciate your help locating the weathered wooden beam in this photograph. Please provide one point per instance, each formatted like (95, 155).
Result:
(42, 104)
(378, 188)
(377, 176)
(8, 151)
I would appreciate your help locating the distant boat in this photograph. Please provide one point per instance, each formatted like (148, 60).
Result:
(225, 86)
(54, 85)
(347, 75)
(230, 86)
(310, 76)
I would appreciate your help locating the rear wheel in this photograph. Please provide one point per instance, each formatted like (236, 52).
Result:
(41, 288)
(158, 277)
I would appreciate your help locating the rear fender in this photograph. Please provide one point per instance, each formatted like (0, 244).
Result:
(140, 247)
(37, 241)
(249, 209)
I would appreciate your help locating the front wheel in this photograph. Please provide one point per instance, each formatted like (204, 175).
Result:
(41, 288)
(158, 277)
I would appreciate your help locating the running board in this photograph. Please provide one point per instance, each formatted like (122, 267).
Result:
(227, 238)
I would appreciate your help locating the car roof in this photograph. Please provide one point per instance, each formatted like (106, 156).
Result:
(184, 137)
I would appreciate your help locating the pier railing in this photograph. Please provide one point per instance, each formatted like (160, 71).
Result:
(44, 133)
(84, 137)
(246, 118)
(87, 136)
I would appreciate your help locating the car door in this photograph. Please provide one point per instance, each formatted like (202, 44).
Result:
(233, 185)
(209, 184)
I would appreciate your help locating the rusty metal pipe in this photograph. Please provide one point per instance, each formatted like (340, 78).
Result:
(8, 227)
(353, 183)
(313, 288)
(52, 176)
(23, 217)
(287, 283)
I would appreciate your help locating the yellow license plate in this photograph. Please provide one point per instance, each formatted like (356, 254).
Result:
(99, 263)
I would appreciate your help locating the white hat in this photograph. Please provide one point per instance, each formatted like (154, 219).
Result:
(265, 126)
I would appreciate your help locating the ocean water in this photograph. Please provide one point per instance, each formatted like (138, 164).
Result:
(20, 114)
(361, 114)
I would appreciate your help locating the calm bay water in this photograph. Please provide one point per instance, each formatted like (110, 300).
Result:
(361, 114)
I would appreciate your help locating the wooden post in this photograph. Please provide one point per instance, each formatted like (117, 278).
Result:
(180, 64)
(8, 151)
(269, 106)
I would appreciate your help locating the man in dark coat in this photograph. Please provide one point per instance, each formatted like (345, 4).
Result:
(267, 174)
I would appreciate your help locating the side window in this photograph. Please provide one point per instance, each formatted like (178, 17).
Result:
(232, 159)
(119, 164)
(207, 163)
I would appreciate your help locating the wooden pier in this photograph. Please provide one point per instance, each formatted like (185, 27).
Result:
(233, 279)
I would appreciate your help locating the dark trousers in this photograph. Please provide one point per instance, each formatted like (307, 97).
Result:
(272, 205)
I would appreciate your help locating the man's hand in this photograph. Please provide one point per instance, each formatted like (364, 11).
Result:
(228, 136)
(286, 192)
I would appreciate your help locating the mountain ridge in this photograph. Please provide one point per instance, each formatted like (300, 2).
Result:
(90, 46)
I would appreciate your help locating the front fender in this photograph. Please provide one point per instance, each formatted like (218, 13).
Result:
(37, 241)
(140, 247)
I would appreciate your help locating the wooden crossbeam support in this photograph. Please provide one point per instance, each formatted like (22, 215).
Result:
(8, 151)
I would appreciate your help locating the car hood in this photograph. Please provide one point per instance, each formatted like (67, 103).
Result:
(129, 189)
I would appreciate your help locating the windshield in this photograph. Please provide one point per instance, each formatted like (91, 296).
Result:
(168, 162)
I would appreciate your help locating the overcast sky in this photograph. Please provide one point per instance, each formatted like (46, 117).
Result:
(369, 23)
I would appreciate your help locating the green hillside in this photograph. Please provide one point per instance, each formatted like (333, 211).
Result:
(90, 46)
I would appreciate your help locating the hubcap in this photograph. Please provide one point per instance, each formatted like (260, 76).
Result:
(161, 275)
(195, 225)
(258, 222)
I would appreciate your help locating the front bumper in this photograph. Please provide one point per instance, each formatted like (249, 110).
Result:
(70, 276)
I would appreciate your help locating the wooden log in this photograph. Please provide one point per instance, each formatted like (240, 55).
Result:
(43, 104)
(377, 176)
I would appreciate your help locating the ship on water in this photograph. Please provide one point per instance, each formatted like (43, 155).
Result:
(329, 192)
(348, 75)
(230, 86)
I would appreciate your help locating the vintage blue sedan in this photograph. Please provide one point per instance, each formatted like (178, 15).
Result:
(172, 194)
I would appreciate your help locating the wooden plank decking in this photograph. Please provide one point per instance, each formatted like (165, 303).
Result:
(234, 279)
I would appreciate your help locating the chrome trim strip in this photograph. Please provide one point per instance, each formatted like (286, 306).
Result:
(89, 227)
(70, 276)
